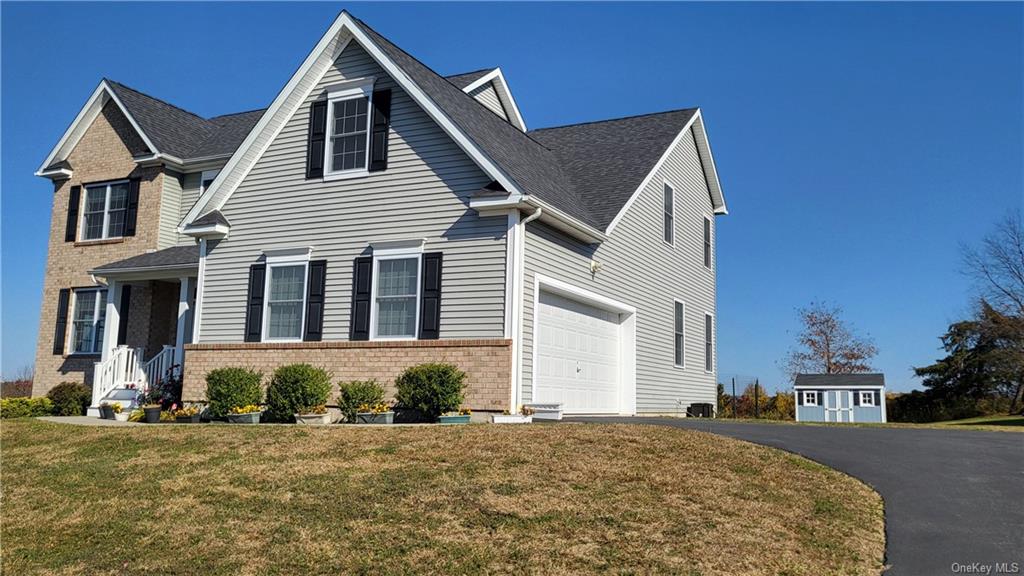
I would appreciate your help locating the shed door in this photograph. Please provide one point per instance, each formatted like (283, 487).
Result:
(838, 406)
(577, 355)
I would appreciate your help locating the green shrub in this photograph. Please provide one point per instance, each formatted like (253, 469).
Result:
(296, 388)
(431, 389)
(25, 407)
(70, 398)
(351, 395)
(227, 388)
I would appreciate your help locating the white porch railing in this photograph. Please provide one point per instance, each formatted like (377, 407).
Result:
(155, 370)
(117, 371)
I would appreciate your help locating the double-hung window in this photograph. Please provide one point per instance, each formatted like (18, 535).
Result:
(680, 334)
(709, 352)
(348, 128)
(396, 296)
(707, 242)
(286, 299)
(106, 208)
(669, 216)
(810, 398)
(87, 322)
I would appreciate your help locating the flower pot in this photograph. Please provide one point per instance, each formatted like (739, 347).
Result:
(511, 419)
(152, 414)
(121, 416)
(453, 419)
(107, 412)
(375, 417)
(250, 418)
(313, 419)
(193, 419)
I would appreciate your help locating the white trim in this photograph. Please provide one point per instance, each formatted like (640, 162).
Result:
(869, 394)
(704, 341)
(284, 261)
(496, 205)
(105, 232)
(672, 241)
(396, 254)
(708, 260)
(518, 280)
(207, 174)
(709, 162)
(838, 386)
(805, 402)
(627, 333)
(215, 231)
(279, 255)
(511, 255)
(95, 321)
(349, 90)
(674, 333)
(197, 314)
(397, 247)
(351, 87)
(504, 95)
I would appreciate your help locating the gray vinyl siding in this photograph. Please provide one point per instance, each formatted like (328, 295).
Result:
(189, 195)
(170, 202)
(488, 96)
(424, 193)
(641, 270)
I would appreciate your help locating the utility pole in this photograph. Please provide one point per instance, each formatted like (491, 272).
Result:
(757, 410)
(734, 397)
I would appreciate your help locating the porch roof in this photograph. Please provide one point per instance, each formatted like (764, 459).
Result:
(171, 261)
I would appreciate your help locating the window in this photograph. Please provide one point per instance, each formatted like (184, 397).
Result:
(87, 322)
(106, 206)
(867, 398)
(680, 336)
(349, 117)
(669, 214)
(396, 296)
(206, 178)
(709, 356)
(810, 398)
(286, 294)
(707, 242)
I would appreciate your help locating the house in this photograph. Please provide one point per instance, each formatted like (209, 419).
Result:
(840, 397)
(378, 215)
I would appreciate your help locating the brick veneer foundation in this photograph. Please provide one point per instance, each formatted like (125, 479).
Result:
(487, 363)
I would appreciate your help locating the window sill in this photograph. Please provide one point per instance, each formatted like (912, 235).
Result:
(352, 174)
(83, 355)
(100, 241)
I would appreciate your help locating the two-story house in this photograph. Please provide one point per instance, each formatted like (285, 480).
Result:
(378, 215)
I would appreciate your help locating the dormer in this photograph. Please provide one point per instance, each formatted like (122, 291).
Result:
(488, 87)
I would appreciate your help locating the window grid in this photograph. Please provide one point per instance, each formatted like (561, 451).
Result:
(88, 321)
(285, 301)
(707, 242)
(708, 344)
(397, 290)
(810, 398)
(680, 334)
(867, 398)
(106, 208)
(349, 122)
(669, 210)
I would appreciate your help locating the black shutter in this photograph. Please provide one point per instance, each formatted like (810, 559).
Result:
(362, 290)
(133, 207)
(878, 398)
(430, 297)
(799, 397)
(254, 308)
(74, 201)
(856, 397)
(61, 328)
(315, 286)
(821, 398)
(122, 320)
(317, 139)
(379, 137)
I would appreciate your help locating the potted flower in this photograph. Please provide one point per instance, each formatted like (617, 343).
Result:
(106, 411)
(525, 416)
(313, 416)
(245, 414)
(152, 412)
(187, 415)
(460, 417)
(119, 414)
(379, 413)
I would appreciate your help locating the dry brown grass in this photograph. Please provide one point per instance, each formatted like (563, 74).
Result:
(565, 499)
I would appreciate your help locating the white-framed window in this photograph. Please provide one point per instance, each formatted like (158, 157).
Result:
(90, 311)
(349, 122)
(396, 296)
(285, 303)
(669, 213)
(709, 344)
(679, 340)
(206, 178)
(810, 398)
(106, 209)
(707, 242)
(867, 398)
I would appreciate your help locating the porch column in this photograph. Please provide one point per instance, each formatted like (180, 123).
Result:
(112, 321)
(183, 317)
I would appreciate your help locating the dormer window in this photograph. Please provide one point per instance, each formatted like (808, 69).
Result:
(106, 207)
(348, 128)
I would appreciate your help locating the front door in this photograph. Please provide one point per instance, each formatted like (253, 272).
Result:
(838, 406)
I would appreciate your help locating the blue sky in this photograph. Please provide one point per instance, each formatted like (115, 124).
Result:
(858, 144)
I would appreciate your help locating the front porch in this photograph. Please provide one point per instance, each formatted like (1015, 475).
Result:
(149, 319)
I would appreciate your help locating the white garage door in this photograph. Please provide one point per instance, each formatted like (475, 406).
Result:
(577, 356)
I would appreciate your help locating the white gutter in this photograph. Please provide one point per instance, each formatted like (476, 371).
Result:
(517, 307)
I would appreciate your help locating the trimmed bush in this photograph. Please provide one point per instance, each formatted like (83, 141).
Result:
(70, 398)
(227, 388)
(353, 394)
(431, 389)
(25, 407)
(294, 389)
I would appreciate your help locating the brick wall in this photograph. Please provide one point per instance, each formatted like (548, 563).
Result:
(103, 153)
(487, 363)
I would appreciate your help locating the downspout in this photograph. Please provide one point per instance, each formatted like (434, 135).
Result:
(519, 288)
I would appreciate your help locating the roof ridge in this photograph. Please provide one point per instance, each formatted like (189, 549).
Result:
(160, 100)
(631, 117)
(488, 69)
(212, 118)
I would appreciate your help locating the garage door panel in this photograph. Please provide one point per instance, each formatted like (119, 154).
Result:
(577, 355)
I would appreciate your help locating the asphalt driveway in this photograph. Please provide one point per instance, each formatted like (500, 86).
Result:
(954, 499)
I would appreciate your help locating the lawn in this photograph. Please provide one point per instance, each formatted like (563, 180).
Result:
(539, 499)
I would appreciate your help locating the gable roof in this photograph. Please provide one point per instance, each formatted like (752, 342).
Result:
(840, 380)
(172, 130)
(467, 78)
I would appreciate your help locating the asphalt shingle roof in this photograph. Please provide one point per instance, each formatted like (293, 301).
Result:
(467, 78)
(213, 217)
(173, 256)
(852, 380)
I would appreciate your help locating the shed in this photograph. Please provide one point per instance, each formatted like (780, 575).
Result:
(840, 397)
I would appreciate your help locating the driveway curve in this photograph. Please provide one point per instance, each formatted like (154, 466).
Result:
(954, 499)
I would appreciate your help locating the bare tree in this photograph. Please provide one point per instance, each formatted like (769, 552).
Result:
(998, 266)
(827, 345)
